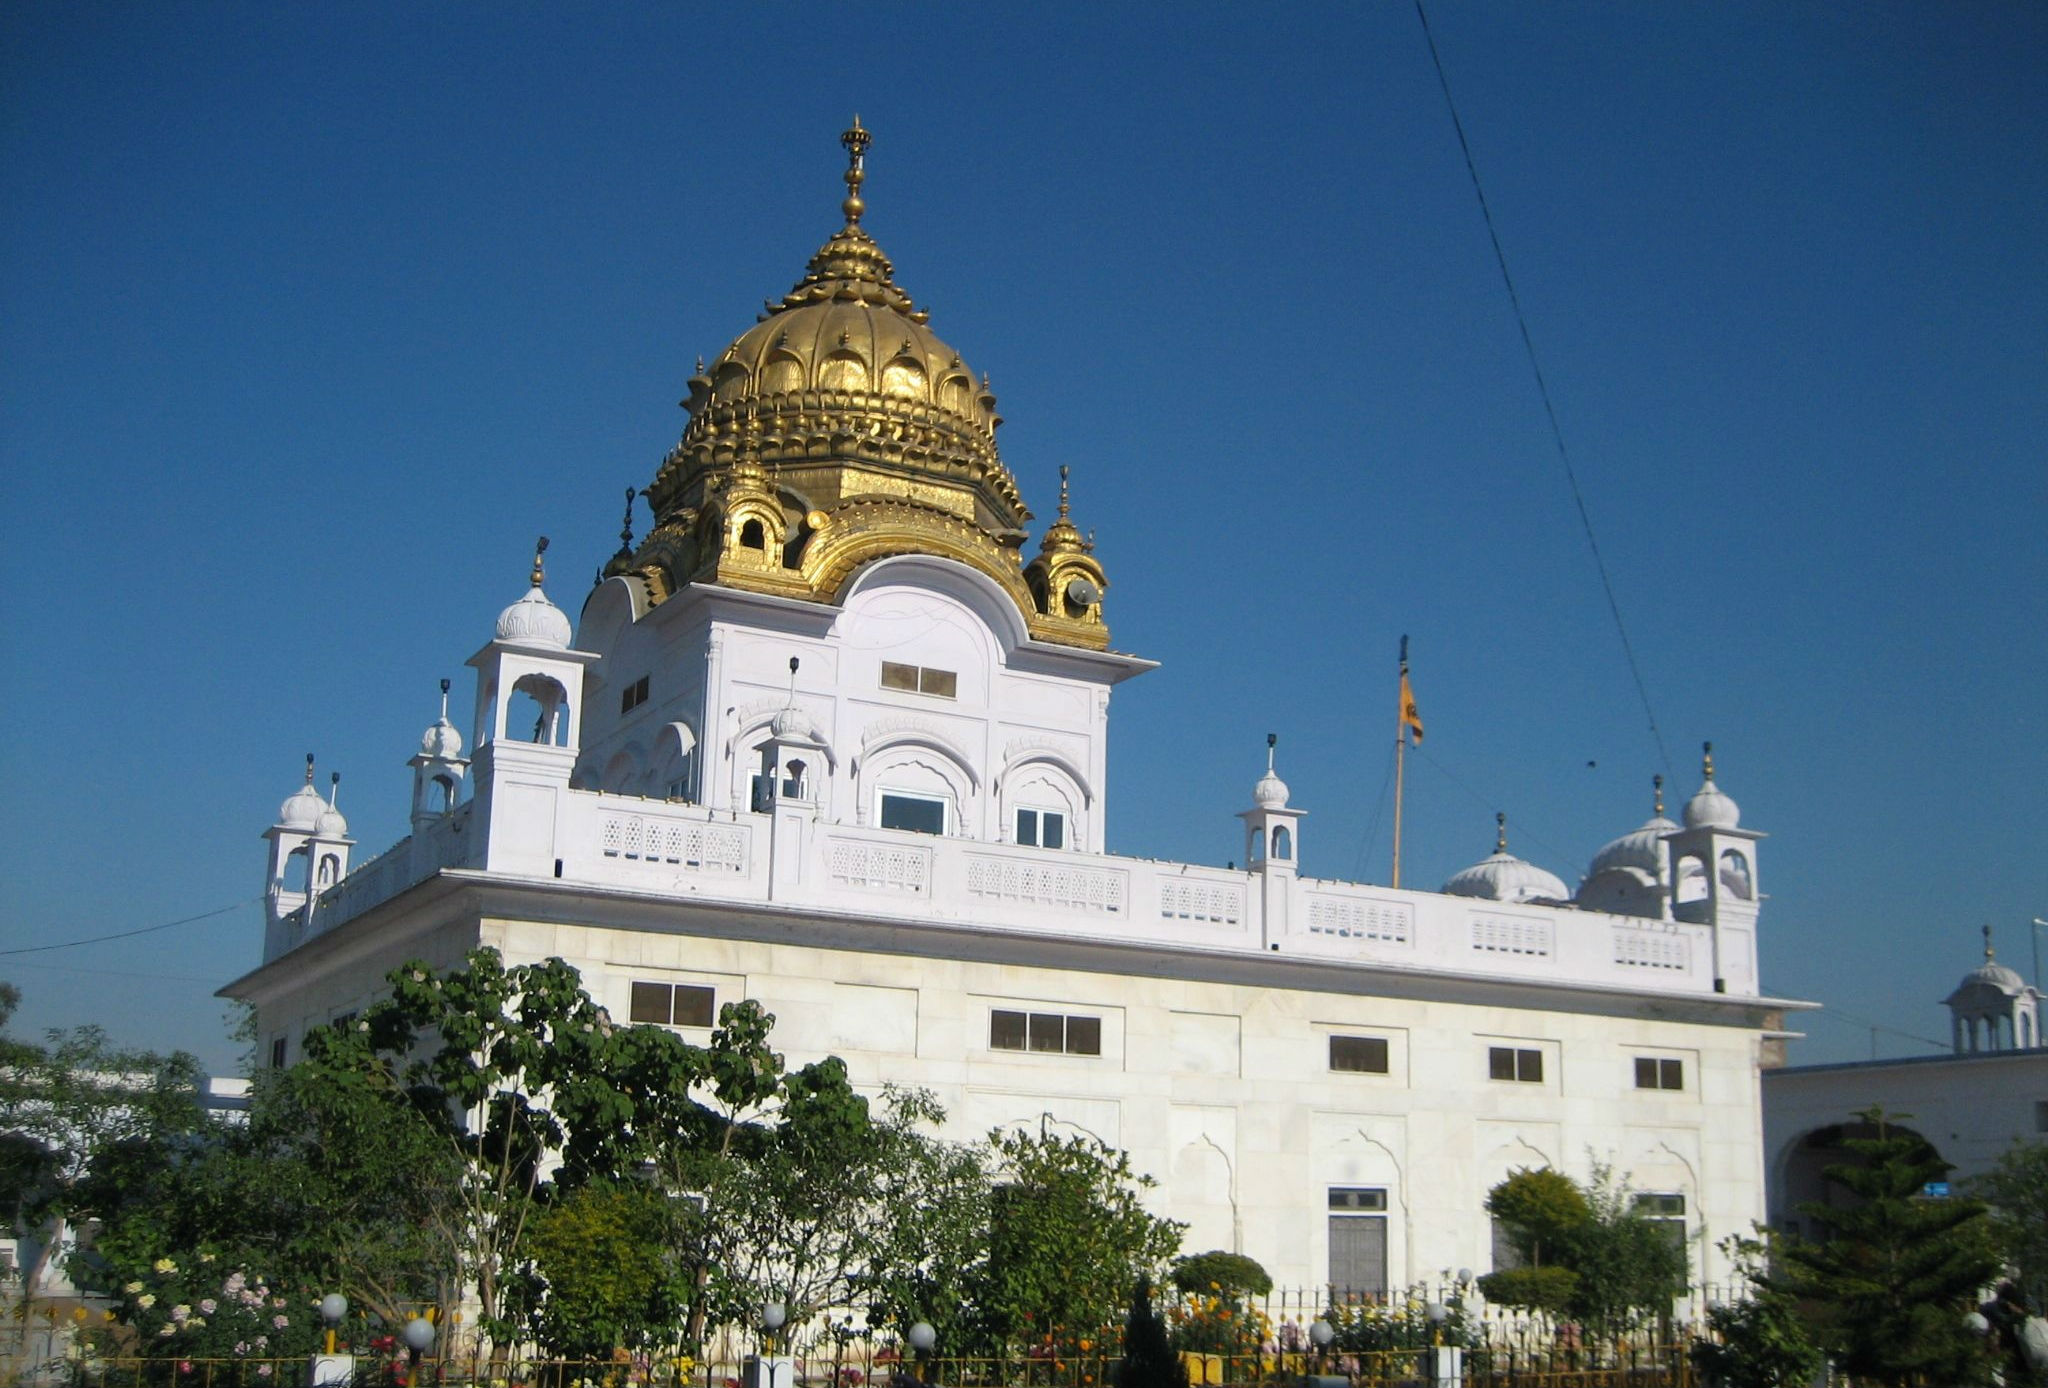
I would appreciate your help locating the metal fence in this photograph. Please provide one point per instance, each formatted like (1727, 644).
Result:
(1585, 1367)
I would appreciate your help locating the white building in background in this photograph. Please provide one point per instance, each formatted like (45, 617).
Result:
(826, 738)
(1973, 1105)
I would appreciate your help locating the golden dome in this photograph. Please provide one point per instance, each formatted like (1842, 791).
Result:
(840, 429)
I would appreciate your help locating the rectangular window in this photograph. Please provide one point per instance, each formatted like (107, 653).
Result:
(1365, 1055)
(277, 1053)
(1510, 1063)
(1505, 1254)
(1358, 1240)
(1666, 1210)
(914, 813)
(1042, 828)
(1052, 1033)
(633, 695)
(915, 679)
(1655, 1073)
(673, 1004)
(2041, 1115)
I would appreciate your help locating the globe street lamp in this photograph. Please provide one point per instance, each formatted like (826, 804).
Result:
(418, 1335)
(773, 1315)
(922, 1337)
(333, 1307)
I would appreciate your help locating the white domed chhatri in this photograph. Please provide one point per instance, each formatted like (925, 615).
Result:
(1504, 877)
(1639, 850)
(1993, 1008)
(1709, 808)
(441, 740)
(1269, 792)
(533, 620)
(303, 808)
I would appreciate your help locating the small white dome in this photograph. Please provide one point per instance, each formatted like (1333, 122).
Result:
(331, 825)
(302, 810)
(1504, 877)
(534, 621)
(1270, 792)
(1710, 809)
(441, 741)
(1991, 974)
(789, 722)
(1641, 849)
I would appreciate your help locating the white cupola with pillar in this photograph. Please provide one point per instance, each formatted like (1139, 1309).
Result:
(309, 849)
(527, 670)
(1714, 879)
(1994, 1009)
(791, 783)
(438, 770)
(1272, 843)
(1630, 876)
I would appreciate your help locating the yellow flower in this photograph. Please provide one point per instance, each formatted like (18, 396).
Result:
(164, 1265)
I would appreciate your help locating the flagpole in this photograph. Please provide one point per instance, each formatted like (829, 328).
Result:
(1400, 756)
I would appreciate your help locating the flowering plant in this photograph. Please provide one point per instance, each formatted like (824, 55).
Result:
(1217, 1323)
(199, 1309)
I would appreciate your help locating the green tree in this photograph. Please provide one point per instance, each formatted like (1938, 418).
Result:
(1589, 1254)
(1760, 1341)
(529, 1087)
(1149, 1360)
(73, 1107)
(1628, 1267)
(2016, 1188)
(1069, 1236)
(608, 1279)
(1888, 1286)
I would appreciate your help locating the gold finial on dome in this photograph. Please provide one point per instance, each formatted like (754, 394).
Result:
(1707, 760)
(1988, 956)
(1657, 793)
(540, 547)
(309, 782)
(1062, 537)
(1500, 832)
(856, 141)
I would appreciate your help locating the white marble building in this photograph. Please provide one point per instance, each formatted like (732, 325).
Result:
(827, 740)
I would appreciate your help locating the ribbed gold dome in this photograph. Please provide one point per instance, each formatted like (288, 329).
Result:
(840, 429)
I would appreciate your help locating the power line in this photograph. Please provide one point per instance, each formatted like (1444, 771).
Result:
(1543, 391)
(130, 934)
(1837, 1014)
(1368, 845)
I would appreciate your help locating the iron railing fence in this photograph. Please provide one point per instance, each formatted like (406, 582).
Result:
(1610, 1366)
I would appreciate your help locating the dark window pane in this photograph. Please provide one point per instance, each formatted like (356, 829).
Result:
(1529, 1066)
(943, 683)
(1361, 1054)
(1053, 831)
(918, 815)
(1048, 1031)
(1500, 1063)
(896, 676)
(694, 1005)
(1027, 827)
(651, 1002)
(1646, 1073)
(1084, 1036)
(1006, 1031)
(1673, 1073)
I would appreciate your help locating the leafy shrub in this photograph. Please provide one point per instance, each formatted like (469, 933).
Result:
(1534, 1289)
(1226, 1274)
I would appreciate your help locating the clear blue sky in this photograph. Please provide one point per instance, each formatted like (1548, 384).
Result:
(314, 315)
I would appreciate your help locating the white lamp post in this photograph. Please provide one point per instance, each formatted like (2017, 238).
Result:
(328, 1369)
(922, 1337)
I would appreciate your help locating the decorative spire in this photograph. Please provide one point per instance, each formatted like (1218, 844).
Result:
(540, 547)
(309, 769)
(626, 530)
(1657, 787)
(1707, 760)
(1061, 535)
(1500, 832)
(1272, 741)
(333, 788)
(856, 141)
(1988, 955)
